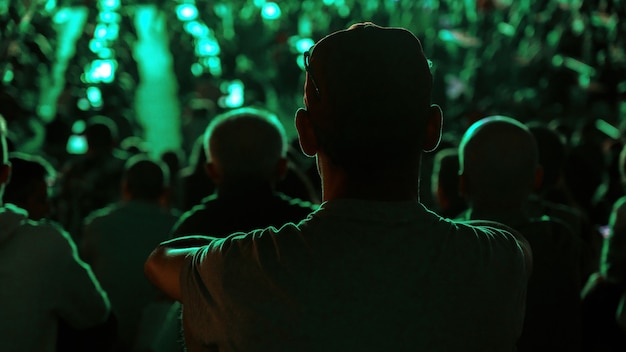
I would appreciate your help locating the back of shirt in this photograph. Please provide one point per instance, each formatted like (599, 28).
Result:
(359, 275)
(43, 281)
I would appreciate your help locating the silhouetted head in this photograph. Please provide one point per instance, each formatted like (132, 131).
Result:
(101, 134)
(245, 145)
(498, 162)
(367, 98)
(144, 179)
(31, 177)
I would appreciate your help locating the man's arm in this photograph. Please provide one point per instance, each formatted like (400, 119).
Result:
(164, 264)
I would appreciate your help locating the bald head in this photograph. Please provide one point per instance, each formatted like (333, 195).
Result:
(498, 161)
(245, 145)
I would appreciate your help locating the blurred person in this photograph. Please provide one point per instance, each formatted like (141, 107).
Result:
(117, 239)
(29, 187)
(44, 282)
(372, 269)
(445, 183)
(499, 168)
(195, 183)
(607, 287)
(246, 153)
(91, 181)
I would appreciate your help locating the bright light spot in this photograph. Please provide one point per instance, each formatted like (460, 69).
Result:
(329, 2)
(446, 35)
(76, 144)
(106, 53)
(270, 11)
(214, 64)
(196, 28)
(304, 44)
(186, 12)
(79, 126)
(207, 47)
(235, 97)
(110, 17)
(62, 16)
(50, 6)
(506, 29)
(109, 4)
(8, 76)
(83, 104)
(197, 69)
(101, 71)
(101, 31)
(94, 95)
(259, 3)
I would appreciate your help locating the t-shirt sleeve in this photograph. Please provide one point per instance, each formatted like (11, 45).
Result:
(82, 302)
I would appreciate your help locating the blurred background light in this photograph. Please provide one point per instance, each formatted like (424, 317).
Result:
(186, 12)
(270, 11)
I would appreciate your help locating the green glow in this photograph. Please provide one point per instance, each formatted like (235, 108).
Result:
(300, 61)
(101, 71)
(304, 44)
(109, 5)
(94, 95)
(196, 29)
(608, 129)
(235, 97)
(207, 47)
(197, 69)
(79, 126)
(270, 11)
(8, 76)
(186, 12)
(506, 29)
(62, 16)
(76, 145)
(110, 17)
(83, 104)
(557, 60)
(329, 2)
(446, 35)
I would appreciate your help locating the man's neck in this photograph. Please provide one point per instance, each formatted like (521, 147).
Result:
(377, 185)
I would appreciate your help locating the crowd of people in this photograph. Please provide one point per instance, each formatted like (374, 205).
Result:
(379, 223)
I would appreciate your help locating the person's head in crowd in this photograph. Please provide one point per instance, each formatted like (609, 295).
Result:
(552, 151)
(499, 164)
(445, 183)
(101, 134)
(144, 179)
(245, 147)
(5, 166)
(31, 177)
(368, 115)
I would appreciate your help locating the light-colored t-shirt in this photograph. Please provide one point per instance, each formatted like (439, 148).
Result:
(358, 276)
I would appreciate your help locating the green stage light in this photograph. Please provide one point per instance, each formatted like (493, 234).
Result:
(196, 29)
(304, 44)
(207, 47)
(186, 12)
(197, 69)
(109, 5)
(270, 11)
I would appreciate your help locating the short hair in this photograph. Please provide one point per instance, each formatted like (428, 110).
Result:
(26, 170)
(246, 143)
(101, 132)
(499, 156)
(369, 90)
(145, 178)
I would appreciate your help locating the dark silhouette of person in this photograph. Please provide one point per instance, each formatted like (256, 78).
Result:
(45, 285)
(372, 269)
(246, 159)
(91, 181)
(29, 187)
(499, 169)
(117, 238)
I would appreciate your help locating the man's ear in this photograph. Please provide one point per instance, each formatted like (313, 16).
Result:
(214, 173)
(433, 128)
(306, 133)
